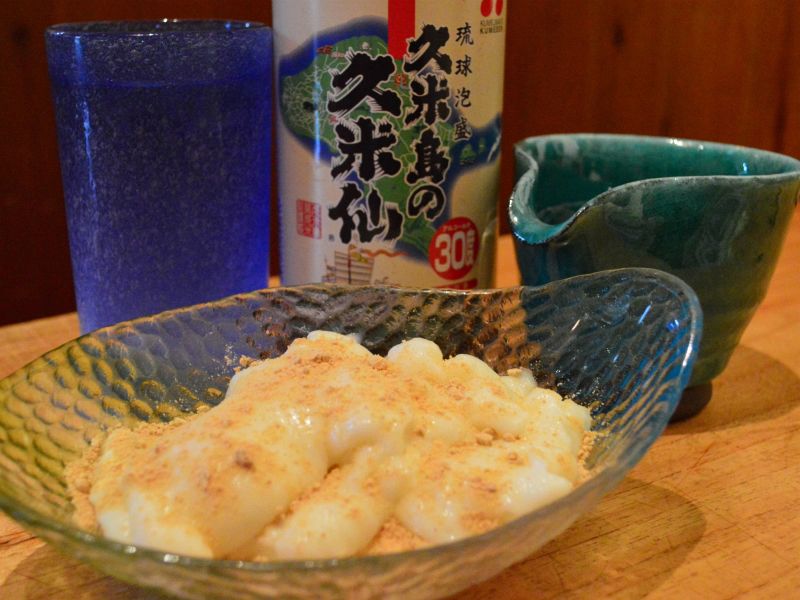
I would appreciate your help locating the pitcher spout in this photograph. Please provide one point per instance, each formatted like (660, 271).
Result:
(536, 214)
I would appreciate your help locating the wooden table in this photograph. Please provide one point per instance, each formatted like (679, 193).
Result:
(711, 512)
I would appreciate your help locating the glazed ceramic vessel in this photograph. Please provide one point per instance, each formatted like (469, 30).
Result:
(622, 343)
(714, 215)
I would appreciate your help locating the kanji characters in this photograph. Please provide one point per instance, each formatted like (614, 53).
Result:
(463, 130)
(464, 35)
(464, 65)
(378, 219)
(350, 193)
(367, 143)
(372, 223)
(367, 150)
(429, 99)
(426, 48)
(427, 199)
(461, 97)
(431, 162)
(360, 81)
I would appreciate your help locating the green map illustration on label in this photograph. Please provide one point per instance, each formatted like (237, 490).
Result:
(393, 131)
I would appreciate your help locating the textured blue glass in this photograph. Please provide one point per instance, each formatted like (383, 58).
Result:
(164, 138)
(621, 342)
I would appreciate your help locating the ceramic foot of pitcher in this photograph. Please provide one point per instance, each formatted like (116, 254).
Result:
(693, 401)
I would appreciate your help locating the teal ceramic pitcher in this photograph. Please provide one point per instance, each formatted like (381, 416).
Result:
(715, 215)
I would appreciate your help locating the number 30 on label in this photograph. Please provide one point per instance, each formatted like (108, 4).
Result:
(454, 248)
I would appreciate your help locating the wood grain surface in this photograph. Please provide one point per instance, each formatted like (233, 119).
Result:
(722, 70)
(710, 512)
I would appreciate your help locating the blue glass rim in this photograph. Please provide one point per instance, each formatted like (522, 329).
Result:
(156, 52)
(153, 27)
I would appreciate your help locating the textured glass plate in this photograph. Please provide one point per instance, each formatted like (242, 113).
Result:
(622, 342)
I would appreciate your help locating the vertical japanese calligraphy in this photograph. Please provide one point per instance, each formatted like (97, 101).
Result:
(402, 135)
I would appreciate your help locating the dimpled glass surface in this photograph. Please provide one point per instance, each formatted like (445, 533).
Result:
(622, 342)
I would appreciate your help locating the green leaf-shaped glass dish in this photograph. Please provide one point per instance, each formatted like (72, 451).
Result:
(621, 342)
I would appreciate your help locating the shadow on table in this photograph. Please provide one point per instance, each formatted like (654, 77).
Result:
(629, 545)
(47, 573)
(754, 387)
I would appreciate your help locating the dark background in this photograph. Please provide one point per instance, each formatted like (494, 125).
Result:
(723, 70)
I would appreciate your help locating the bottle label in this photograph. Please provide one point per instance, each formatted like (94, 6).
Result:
(389, 140)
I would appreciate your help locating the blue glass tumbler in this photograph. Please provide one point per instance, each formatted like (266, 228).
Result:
(164, 135)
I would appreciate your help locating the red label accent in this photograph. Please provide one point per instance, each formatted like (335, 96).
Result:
(402, 14)
(309, 219)
(453, 251)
